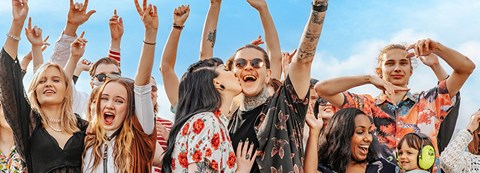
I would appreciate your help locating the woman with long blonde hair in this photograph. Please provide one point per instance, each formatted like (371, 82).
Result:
(48, 135)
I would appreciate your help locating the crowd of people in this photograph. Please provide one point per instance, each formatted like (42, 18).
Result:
(260, 111)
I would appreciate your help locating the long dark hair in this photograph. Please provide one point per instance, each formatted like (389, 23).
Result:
(334, 147)
(196, 93)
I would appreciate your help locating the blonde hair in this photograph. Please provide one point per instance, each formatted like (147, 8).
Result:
(122, 152)
(91, 99)
(381, 56)
(68, 120)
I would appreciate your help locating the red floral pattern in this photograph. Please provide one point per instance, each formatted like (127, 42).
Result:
(198, 126)
(205, 147)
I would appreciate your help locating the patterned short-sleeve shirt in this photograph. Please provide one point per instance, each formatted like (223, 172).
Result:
(203, 140)
(422, 112)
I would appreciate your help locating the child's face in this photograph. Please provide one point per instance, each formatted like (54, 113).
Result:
(407, 157)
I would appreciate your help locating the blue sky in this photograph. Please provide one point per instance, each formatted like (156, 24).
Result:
(353, 33)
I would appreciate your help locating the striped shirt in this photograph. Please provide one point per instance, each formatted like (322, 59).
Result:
(163, 142)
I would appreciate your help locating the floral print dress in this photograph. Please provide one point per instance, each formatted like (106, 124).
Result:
(10, 162)
(203, 141)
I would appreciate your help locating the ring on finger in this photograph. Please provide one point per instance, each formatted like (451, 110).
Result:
(247, 156)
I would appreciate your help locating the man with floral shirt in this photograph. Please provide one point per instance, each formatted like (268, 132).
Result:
(396, 111)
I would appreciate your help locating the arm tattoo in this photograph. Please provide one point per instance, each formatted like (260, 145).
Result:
(212, 36)
(304, 54)
(312, 37)
(317, 19)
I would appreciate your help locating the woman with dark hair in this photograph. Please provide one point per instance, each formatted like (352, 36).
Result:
(347, 135)
(199, 140)
(462, 153)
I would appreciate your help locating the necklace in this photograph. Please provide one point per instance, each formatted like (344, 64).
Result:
(53, 128)
(53, 120)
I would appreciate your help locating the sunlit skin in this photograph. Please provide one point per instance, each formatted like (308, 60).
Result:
(113, 105)
(407, 157)
(362, 138)
(252, 80)
(51, 88)
(396, 67)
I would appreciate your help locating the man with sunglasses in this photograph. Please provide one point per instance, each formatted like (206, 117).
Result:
(396, 111)
(274, 123)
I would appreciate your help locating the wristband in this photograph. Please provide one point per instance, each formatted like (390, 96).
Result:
(13, 37)
(320, 8)
(180, 27)
(149, 43)
(469, 131)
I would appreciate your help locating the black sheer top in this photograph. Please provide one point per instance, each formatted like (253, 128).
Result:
(38, 149)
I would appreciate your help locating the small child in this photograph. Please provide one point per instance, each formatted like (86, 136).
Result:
(415, 153)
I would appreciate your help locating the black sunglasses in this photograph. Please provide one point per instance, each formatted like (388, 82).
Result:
(242, 63)
(322, 102)
(102, 77)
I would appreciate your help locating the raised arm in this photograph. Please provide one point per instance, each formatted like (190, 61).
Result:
(116, 33)
(15, 106)
(76, 52)
(83, 65)
(170, 79)
(144, 110)
(209, 34)
(311, 151)
(272, 41)
(34, 36)
(332, 89)
(19, 13)
(462, 65)
(27, 58)
(77, 15)
(299, 70)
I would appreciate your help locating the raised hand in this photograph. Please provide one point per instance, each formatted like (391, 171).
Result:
(77, 14)
(424, 47)
(315, 124)
(286, 60)
(45, 43)
(245, 156)
(19, 10)
(34, 35)
(258, 4)
(474, 121)
(180, 15)
(257, 41)
(116, 26)
(387, 87)
(148, 14)
(78, 47)
(84, 65)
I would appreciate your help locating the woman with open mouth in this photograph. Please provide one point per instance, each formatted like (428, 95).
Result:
(122, 136)
(346, 145)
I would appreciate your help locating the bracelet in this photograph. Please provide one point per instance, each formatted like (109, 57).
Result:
(13, 37)
(180, 27)
(469, 131)
(320, 8)
(149, 43)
